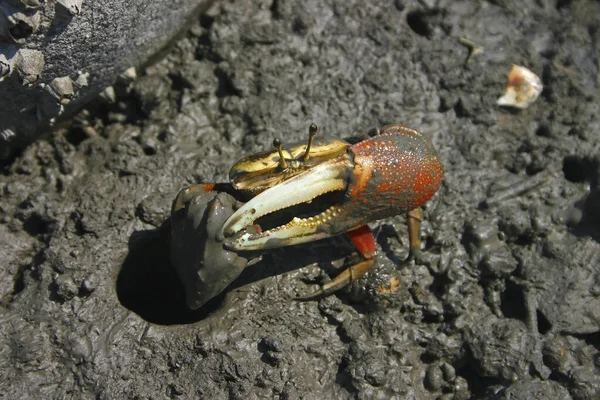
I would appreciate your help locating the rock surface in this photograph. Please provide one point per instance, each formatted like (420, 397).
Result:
(57, 55)
(507, 305)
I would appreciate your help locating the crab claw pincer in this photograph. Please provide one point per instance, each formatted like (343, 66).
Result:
(391, 173)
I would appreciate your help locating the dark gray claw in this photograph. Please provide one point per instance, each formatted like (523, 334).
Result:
(204, 266)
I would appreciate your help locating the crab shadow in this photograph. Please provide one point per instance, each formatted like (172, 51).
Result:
(148, 285)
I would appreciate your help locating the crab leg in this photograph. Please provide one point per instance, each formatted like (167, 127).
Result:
(414, 219)
(363, 240)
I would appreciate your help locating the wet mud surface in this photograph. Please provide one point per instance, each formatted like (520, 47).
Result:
(506, 304)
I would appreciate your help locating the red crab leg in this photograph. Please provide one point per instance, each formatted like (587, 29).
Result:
(363, 240)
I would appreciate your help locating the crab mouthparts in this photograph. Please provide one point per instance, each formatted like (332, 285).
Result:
(292, 212)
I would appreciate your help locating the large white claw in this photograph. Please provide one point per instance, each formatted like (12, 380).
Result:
(323, 178)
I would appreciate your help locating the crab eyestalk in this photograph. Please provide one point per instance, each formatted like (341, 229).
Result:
(389, 174)
(278, 146)
(312, 132)
(253, 174)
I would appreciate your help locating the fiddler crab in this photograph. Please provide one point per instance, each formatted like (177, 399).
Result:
(308, 192)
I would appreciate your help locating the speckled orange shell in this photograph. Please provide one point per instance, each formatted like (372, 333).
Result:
(395, 172)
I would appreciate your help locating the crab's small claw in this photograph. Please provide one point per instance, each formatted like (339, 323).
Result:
(380, 177)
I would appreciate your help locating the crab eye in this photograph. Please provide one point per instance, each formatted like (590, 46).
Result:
(312, 132)
(279, 147)
(255, 173)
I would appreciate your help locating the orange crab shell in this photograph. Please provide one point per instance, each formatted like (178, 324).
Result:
(395, 172)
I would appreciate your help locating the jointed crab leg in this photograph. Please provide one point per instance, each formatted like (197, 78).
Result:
(414, 219)
(349, 275)
(364, 241)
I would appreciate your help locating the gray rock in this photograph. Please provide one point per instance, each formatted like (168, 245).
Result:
(44, 45)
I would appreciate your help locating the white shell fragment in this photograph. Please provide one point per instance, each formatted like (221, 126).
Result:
(523, 88)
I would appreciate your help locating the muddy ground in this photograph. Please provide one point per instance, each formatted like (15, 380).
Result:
(507, 304)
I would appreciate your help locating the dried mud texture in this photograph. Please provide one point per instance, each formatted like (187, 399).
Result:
(57, 55)
(504, 304)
